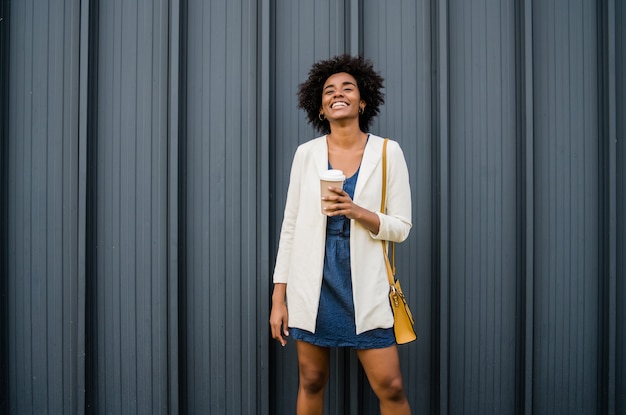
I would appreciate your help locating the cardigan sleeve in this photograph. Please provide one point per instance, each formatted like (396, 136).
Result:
(395, 223)
(281, 269)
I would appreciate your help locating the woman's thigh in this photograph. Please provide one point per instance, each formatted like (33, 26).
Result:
(313, 361)
(382, 367)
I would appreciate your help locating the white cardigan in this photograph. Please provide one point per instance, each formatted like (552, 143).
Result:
(300, 257)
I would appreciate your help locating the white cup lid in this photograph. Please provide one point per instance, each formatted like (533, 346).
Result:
(333, 176)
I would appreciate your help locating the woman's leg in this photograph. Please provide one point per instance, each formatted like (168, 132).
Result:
(382, 367)
(314, 365)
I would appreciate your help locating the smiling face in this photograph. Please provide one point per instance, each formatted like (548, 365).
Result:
(341, 98)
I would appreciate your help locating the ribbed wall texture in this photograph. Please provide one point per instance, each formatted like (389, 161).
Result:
(220, 208)
(128, 287)
(567, 231)
(620, 118)
(42, 201)
(145, 156)
(4, 181)
(484, 208)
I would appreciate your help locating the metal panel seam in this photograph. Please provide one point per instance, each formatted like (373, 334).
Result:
(4, 200)
(172, 207)
(263, 233)
(87, 229)
(354, 25)
(528, 120)
(83, 120)
(611, 130)
(442, 166)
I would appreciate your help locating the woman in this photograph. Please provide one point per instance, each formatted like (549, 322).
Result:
(330, 280)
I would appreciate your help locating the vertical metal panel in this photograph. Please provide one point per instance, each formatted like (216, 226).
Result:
(264, 237)
(42, 203)
(567, 201)
(131, 208)
(620, 120)
(4, 203)
(397, 38)
(82, 252)
(441, 208)
(527, 190)
(220, 208)
(304, 32)
(173, 203)
(354, 36)
(484, 207)
(608, 204)
(89, 148)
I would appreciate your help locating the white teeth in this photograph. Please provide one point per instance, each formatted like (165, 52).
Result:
(340, 104)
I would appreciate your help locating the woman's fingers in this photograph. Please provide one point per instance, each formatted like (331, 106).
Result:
(340, 197)
(278, 323)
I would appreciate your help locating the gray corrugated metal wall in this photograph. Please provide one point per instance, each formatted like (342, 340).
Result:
(145, 153)
(620, 229)
(128, 287)
(484, 207)
(43, 308)
(568, 197)
(222, 207)
(4, 178)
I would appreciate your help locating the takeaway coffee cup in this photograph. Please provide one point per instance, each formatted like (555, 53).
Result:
(330, 178)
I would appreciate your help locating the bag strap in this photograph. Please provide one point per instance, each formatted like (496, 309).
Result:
(382, 201)
(391, 267)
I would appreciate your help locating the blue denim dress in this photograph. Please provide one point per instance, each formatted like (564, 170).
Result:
(335, 325)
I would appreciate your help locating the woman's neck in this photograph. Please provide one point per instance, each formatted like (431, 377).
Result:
(346, 137)
(345, 150)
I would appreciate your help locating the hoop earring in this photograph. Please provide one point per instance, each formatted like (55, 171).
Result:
(361, 110)
(321, 116)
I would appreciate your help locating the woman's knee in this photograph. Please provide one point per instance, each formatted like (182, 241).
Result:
(313, 381)
(313, 362)
(391, 389)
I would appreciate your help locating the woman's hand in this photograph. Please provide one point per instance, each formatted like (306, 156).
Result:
(279, 316)
(343, 205)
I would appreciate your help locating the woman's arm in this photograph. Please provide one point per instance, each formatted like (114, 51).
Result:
(395, 223)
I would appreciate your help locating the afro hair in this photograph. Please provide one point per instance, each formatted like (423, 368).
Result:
(369, 82)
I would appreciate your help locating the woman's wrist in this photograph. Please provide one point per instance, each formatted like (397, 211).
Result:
(369, 220)
(278, 296)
